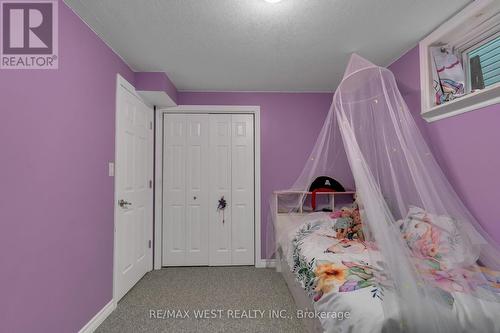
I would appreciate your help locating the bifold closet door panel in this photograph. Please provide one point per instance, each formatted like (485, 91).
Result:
(242, 206)
(185, 221)
(174, 190)
(197, 190)
(220, 186)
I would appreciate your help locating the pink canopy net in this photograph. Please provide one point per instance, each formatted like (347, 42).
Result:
(370, 143)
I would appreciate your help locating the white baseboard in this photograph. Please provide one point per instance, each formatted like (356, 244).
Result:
(266, 263)
(97, 320)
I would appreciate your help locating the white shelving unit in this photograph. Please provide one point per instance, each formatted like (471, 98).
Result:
(301, 194)
(285, 219)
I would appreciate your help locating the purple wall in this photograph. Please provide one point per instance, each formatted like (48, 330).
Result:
(155, 81)
(290, 123)
(466, 146)
(57, 133)
(56, 202)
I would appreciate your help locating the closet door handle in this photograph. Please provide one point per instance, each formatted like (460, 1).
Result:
(221, 204)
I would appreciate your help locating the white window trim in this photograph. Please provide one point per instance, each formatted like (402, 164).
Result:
(450, 31)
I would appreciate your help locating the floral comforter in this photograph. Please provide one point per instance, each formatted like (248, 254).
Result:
(348, 276)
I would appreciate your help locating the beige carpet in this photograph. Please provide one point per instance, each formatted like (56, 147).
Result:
(233, 293)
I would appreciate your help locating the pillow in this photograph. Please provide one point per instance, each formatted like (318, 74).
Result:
(433, 237)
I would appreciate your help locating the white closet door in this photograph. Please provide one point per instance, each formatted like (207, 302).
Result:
(185, 187)
(220, 186)
(197, 190)
(242, 206)
(206, 158)
(174, 190)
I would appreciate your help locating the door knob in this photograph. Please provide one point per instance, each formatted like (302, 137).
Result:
(123, 204)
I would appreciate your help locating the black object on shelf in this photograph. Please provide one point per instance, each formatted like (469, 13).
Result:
(324, 182)
(476, 74)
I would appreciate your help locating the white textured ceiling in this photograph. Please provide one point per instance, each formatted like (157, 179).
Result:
(251, 45)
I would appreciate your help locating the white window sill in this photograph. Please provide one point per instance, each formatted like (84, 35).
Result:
(469, 102)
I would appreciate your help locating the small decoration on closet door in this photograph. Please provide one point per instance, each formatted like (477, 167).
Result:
(221, 207)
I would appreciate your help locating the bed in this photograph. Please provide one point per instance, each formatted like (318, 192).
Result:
(337, 281)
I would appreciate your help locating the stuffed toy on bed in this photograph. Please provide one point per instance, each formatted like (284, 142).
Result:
(348, 224)
(342, 226)
(357, 227)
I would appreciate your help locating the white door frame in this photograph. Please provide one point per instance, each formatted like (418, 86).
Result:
(207, 109)
(121, 83)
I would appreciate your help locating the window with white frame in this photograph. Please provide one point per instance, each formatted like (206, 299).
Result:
(460, 62)
(482, 63)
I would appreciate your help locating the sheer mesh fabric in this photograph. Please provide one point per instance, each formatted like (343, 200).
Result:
(370, 142)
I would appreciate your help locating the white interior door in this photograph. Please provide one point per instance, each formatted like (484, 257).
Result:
(206, 158)
(242, 195)
(185, 186)
(134, 195)
(220, 186)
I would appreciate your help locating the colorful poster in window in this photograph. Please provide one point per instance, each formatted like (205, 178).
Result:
(448, 75)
